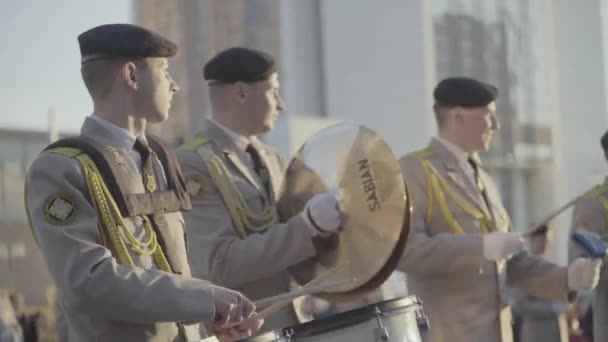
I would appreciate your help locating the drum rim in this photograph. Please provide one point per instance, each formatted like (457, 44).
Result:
(333, 320)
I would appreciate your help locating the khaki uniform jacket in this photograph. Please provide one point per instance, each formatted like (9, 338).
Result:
(255, 265)
(463, 295)
(100, 299)
(590, 214)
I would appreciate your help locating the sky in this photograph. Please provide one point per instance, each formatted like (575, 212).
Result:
(40, 59)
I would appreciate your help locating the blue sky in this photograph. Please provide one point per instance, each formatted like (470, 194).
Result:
(40, 59)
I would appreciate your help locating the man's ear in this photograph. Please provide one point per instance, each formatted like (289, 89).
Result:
(458, 114)
(128, 74)
(241, 90)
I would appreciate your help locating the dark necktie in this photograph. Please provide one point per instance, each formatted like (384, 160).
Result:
(147, 159)
(478, 182)
(259, 167)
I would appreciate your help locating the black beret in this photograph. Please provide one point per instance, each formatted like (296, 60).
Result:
(123, 41)
(239, 64)
(464, 92)
(604, 142)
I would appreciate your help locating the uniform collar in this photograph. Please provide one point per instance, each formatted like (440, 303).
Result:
(240, 141)
(456, 151)
(119, 136)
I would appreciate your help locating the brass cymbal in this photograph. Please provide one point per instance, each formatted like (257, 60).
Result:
(375, 202)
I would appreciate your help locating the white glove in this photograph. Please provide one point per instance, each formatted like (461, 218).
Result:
(322, 213)
(584, 274)
(237, 331)
(230, 306)
(498, 245)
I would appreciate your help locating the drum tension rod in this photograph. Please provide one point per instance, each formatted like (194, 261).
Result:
(381, 332)
(288, 333)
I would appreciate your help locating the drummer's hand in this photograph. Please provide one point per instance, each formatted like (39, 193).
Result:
(323, 213)
(499, 245)
(238, 330)
(230, 306)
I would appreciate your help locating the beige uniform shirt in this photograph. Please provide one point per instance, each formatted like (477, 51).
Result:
(257, 264)
(100, 299)
(461, 292)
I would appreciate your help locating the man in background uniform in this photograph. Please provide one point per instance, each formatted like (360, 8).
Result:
(461, 252)
(591, 213)
(235, 237)
(105, 207)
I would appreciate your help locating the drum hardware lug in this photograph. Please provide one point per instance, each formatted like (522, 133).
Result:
(422, 320)
(289, 333)
(381, 333)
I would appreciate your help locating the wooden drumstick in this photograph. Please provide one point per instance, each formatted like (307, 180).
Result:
(280, 301)
(279, 305)
(555, 214)
(302, 291)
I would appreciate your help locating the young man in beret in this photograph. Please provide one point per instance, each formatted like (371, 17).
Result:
(590, 213)
(105, 207)
(461, 253)
(234, 235)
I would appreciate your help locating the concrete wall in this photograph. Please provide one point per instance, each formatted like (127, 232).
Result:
(373, 65)
(579, 104)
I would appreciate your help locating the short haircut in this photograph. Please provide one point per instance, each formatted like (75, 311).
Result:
(99, 75)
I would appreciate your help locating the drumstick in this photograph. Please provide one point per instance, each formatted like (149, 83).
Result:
(555, 214)
(320, 277)
(288, 297)
(302, 291)
(276, 306)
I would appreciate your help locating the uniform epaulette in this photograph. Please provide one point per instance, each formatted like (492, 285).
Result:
(197, 141)
(425, 153)
(597, 191)
(70, 152)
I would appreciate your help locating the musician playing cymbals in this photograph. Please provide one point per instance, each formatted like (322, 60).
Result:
(234, 235)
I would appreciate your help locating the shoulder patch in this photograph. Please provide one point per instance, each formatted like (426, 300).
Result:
(195, 187)
(60, 209)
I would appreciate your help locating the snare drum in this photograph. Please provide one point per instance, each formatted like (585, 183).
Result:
(399, 319)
